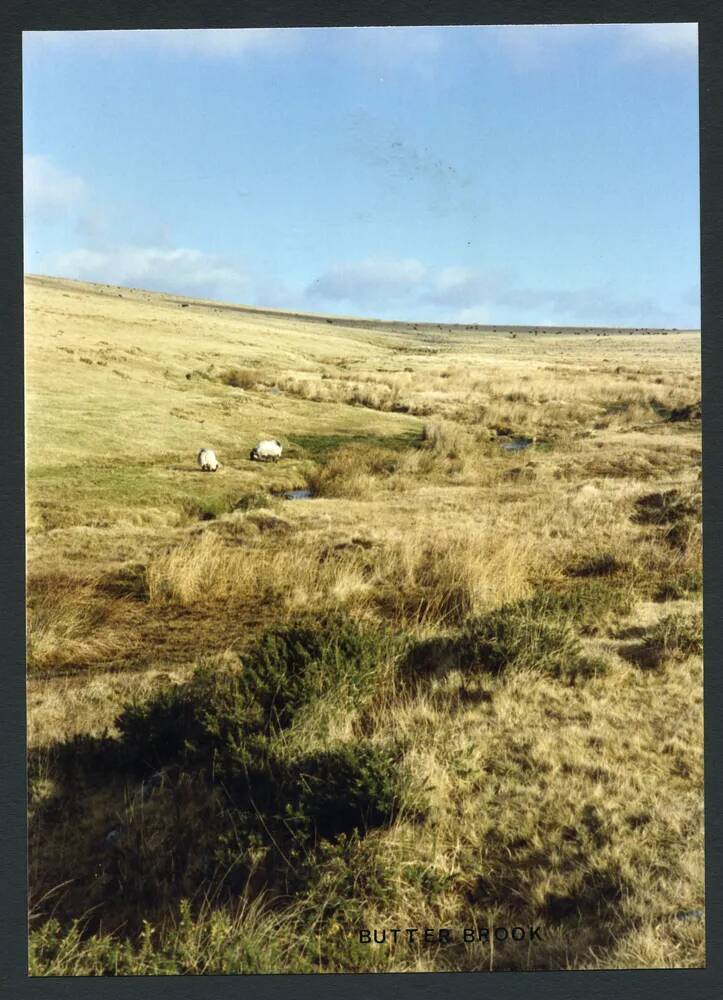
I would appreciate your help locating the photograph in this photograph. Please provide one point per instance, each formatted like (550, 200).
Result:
(363, 499)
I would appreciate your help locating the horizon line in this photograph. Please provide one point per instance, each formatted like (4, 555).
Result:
(357, 320)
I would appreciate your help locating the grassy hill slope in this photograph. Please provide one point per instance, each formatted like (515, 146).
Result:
(470, 662)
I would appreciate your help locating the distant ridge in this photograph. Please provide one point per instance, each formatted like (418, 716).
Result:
(352, 322)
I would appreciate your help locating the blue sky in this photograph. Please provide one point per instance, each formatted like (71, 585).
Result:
(493, 174)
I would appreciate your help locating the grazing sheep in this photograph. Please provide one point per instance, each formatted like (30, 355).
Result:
(207, 460)
(266, 451)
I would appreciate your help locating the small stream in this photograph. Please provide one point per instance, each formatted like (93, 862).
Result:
(305, 494)
(516, 444)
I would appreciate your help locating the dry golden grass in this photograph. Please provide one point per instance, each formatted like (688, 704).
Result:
(538, 790)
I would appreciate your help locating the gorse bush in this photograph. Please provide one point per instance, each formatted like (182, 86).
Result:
(517, 635)
(219, 712)
(540, 632)
(590, 603)
(216, 751)
(289, 805)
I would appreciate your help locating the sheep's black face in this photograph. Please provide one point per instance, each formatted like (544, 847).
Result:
(254, 455)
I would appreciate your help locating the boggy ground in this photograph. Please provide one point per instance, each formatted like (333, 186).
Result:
(459, 687)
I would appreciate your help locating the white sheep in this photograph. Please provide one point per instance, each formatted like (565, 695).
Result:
(207, 460)
(266, 451)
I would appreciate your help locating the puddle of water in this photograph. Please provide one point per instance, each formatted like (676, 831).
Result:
(298, 495)
(517, 444)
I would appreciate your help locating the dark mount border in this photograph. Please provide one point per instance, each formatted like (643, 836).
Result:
(109, 14)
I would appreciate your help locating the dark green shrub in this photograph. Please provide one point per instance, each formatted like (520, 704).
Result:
(518, 634)
(680, 586)
(288, 807)
(667, 507)
(294, 665)
(219, 712)
(167, 727)
(678, 635)
(589, 603)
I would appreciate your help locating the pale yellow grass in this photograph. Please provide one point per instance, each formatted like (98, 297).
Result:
(413, 578)
(68, 623)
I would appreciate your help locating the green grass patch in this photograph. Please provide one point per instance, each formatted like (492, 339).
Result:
(321, 446)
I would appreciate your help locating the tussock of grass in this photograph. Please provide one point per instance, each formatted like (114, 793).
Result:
(205, 940)
(678, 635)
(518, 636)
(539, 634)
(354, 472)
(411, 580)
(243, 378)
(70, 622)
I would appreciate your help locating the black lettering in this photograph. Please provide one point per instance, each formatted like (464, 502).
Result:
(518, 933)
(444, 935)
(428, 935)
(535, 934)
(411, 931)
(484, 934)
(500, 933)
(394, 931)
(468, 934)
(379, 940)
(364, 936)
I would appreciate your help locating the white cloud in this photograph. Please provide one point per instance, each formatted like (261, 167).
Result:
(54, 196)
(212, 43)
(530, 46)
(369, 281)
(50, 192)
(641, 40)
(183, 271)
(380, 50)
(411, 289)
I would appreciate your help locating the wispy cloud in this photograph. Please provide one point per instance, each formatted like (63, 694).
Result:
(209, 43)
(51, 193)
(533, 46)
(646, 40)
(183, 271)
(55, 196)
(368, 282)
(460, 294)
(382, 50)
